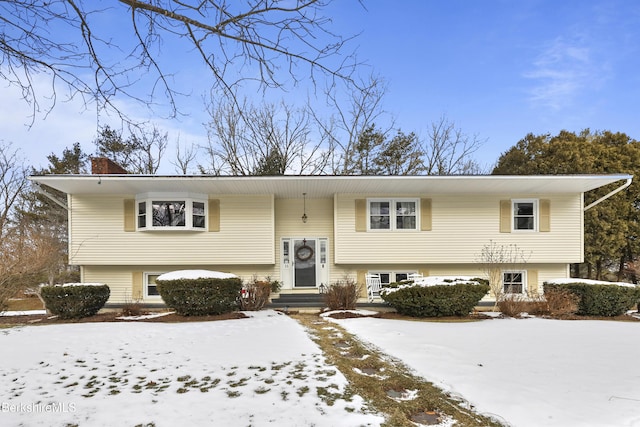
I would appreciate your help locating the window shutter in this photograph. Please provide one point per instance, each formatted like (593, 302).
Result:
(425, 273)
(137, 291)
(505, 216)
(361, 216)
(362, 282)
(214, 215)
(532, 282)
(545, 215)
(129, 215)
(425, 214)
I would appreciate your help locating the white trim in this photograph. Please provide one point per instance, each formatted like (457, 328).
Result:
(171, 197)
(287, 269)
(145, 287)
(327, 186)
(523, 273)
(536, 215)
(392, 213)
(392, 274)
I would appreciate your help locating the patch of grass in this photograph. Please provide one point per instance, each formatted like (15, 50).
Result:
(374, 389)
(240, 383)
(262, 390)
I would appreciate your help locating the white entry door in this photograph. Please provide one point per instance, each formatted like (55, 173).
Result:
(304, 262)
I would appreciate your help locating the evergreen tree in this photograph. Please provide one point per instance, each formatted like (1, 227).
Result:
(611, 228)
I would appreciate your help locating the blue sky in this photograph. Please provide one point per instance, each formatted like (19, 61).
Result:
(498, 69)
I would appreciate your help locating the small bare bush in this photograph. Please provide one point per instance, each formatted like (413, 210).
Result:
(133, 308)
(342, 295)
(255, 294)
(513, 305)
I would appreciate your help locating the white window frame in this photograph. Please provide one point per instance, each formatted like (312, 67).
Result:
(146, 284)
(536, 215)
(189, 199)
(392, 275)
(392, 214)
(523, 274)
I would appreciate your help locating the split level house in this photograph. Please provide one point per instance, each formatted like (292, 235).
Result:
(312, 231)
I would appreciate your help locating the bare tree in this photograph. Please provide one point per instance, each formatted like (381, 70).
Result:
(185, 158)
(496, 258)
(23, 254)
(150, 145)
(13, 181)
(356, 109)
(268, 42)
(249, 140)
(141, 152)
(447, 150)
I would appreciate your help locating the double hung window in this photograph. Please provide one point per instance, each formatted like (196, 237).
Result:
(393, 214)
(513, 282)
(525, 215)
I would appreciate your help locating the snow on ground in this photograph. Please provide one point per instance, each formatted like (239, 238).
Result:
(260, 371)
(530, 372)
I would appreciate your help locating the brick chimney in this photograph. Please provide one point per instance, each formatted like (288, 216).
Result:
(105, 166)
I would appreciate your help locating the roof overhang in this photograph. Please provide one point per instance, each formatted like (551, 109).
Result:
(326, 186)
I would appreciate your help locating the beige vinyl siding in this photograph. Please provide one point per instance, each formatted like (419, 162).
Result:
(246, 235)
(461, 226)
(289, 225)
(126, 282)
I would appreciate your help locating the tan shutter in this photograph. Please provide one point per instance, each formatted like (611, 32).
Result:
(361, 215)
(505, 216)
(362, 282)
(129, 215)
(425, 273)
(425, 214)
(532, 282)
(545, 215)
(214, 215)
(137, 291)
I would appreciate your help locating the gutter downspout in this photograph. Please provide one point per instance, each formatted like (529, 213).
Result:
(51, 196)
(605, 197)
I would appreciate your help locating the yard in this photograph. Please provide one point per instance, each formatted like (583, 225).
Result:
(267, 370)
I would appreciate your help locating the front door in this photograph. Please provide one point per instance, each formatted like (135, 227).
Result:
(304, 262)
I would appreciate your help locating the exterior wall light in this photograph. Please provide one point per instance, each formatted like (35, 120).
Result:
(304, 211)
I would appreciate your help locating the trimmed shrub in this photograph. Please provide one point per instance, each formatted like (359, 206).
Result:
(342, 295)
(599, 300)
(436, 301)
(201, 297)
(74, 301)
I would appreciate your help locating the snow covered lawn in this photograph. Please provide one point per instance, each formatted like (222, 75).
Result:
(529, 372)
(258, 371)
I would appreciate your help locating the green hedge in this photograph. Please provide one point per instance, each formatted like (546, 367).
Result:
(76, 301)
(201, 297)
(436, 301)
(600, 300)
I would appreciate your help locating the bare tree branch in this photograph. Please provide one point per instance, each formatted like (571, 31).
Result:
(272, 43)
(447, 150)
